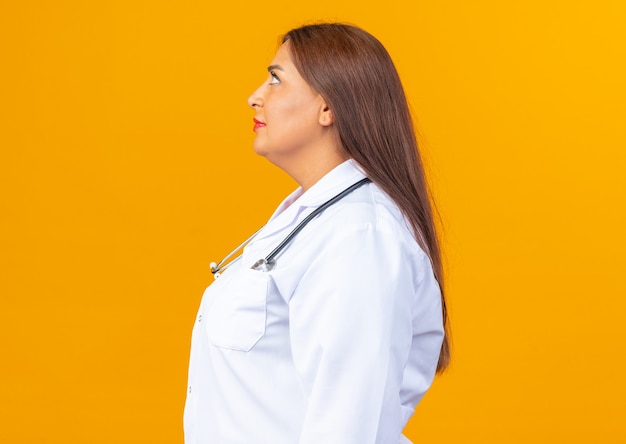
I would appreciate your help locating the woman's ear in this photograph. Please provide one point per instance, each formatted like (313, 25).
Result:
(326, 116)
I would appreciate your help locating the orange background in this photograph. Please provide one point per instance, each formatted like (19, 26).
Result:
(126, 167)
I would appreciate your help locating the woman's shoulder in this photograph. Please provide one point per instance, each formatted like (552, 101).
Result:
(372, 216)
(371, 207)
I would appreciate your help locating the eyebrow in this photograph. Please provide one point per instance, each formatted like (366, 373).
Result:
(273, 67)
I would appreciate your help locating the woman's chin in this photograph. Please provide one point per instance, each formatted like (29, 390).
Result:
(259, 147)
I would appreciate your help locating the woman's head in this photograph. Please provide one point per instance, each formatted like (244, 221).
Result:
(354, 73)
(358, 82)
(293, 124)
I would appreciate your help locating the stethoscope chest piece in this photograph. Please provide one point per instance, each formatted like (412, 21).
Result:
(264, 265)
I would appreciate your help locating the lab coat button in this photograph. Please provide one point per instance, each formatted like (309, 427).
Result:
(189, 389)
(200, 318)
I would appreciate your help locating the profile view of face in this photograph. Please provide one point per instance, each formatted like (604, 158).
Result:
(290, 116)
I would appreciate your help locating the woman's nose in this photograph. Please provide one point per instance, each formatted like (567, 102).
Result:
(256, 98)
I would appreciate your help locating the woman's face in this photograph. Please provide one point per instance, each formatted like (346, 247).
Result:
(291, 118)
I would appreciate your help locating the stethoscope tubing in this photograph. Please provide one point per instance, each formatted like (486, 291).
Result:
(269, 261)
(270, 257)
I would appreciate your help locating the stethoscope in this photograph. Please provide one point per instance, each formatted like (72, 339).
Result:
(269, 262)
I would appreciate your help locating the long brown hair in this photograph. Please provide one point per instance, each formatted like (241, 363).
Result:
(353, 72)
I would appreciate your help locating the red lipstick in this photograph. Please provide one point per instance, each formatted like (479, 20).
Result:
(257, 124)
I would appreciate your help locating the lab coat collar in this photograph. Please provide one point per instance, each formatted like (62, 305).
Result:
(335, 181)
(298, 204)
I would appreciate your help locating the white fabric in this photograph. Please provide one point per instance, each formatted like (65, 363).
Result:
(336, 345)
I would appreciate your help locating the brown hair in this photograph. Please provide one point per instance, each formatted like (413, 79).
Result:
(353, 72)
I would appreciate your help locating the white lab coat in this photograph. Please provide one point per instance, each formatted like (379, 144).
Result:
(335, 345)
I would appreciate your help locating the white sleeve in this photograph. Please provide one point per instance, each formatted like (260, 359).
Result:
(352, 322)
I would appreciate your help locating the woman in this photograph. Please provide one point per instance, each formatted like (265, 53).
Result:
(335, 336)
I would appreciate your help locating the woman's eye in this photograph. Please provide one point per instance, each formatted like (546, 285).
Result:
(275, 80)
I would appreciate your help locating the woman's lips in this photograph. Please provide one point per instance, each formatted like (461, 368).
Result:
(257, 124)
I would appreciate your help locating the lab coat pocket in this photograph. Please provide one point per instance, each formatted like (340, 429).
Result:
(236, 316)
